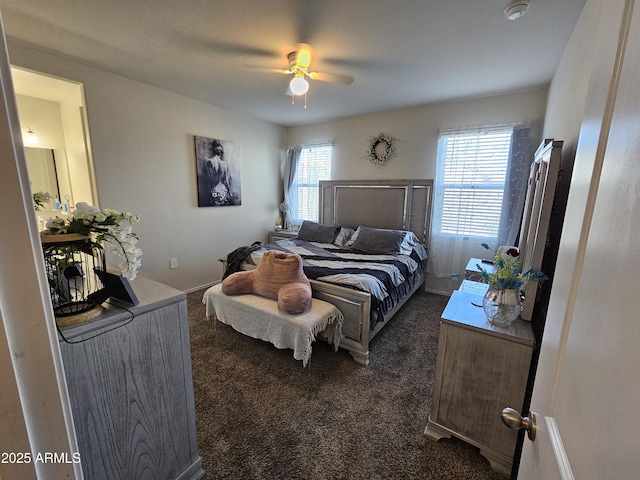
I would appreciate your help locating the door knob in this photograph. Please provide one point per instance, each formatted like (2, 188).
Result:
(512, 419)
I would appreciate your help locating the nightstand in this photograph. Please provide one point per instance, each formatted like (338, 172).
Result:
(472, 272)
(276, 235)
(480, 370)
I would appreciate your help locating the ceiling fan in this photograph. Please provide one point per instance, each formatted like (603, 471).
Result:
(300, 68)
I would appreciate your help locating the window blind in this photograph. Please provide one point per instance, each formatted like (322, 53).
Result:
(314, 165)
(473, 181)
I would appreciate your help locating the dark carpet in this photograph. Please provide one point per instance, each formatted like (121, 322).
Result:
(260, 415)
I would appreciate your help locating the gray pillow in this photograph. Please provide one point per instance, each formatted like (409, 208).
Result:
(318, 232)
(378, 241)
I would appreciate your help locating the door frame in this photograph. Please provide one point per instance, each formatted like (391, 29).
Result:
(35, 402)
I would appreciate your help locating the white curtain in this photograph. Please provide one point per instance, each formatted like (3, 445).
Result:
(289, 175)
(515, 189)
(449, 254)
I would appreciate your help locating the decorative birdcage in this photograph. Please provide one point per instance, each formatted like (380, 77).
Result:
(72, 262)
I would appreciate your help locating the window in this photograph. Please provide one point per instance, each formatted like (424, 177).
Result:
(314, 165)
(478, 195)
(472, 169)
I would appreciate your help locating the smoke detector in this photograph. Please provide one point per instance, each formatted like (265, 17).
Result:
(516, 9)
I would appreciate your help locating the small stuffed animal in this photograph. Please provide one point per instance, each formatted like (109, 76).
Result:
(278, 276)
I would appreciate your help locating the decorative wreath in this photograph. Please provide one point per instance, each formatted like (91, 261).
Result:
(381, 148)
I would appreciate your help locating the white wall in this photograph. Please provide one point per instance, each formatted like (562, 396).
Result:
(44, 118)
(143, 153)
(416, 130)
(142, 145)
(568, 94)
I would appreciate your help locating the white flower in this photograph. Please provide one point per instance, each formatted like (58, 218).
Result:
(84, 210)
(85, 207)
(57, 225)
(40, 198)
(110, 226)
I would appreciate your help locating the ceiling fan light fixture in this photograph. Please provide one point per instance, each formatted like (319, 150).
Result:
(298, 85)
(516, 9)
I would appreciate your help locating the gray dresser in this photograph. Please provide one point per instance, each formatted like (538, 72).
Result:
(480, 370)
(130, 385)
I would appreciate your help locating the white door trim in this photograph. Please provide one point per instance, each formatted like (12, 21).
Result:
(558, 449)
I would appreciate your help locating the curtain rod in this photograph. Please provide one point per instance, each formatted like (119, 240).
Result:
(484, 128)
(313, 144)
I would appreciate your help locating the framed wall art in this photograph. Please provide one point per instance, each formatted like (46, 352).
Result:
(218, 171)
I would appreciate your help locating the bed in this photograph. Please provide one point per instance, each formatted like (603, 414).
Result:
(378, 207)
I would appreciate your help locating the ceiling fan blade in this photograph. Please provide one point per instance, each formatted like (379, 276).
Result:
(283, 71)
(331, 78)
(210, 46)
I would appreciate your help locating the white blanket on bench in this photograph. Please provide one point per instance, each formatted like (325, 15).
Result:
(259, 317)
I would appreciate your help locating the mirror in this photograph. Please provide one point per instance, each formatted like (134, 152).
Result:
(49, 172)
(60, 163)
(537, 212)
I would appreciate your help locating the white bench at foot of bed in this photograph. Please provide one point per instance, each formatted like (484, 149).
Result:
(259, 317)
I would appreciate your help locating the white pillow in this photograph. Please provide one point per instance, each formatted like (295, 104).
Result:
(410, 241)
(353, 237)
(344, 235)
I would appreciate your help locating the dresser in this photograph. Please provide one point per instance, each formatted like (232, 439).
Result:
(480, 370)
(128, 374)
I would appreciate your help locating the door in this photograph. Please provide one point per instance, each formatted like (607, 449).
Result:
(545, 457)
(34, 405)
(587, 388)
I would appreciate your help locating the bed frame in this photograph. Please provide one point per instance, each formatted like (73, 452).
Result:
(394, 204)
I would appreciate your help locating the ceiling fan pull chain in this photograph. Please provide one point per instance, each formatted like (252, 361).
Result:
(305, 100)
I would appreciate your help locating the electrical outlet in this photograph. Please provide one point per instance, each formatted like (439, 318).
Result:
(173, 263)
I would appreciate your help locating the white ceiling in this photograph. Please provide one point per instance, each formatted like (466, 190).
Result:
(401, 52)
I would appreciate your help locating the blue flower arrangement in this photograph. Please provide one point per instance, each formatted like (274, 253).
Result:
(507, 273)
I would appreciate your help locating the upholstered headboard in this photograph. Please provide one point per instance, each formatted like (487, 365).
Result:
(395, 204)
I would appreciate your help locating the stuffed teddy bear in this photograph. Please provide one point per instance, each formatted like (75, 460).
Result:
(278, 276)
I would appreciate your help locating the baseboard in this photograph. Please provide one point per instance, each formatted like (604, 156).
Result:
(206, 285)
(437, 292)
